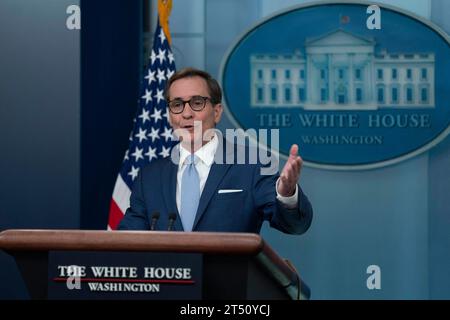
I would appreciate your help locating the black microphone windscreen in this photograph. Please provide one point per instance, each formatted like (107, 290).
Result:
(155, 215)
(172, 216)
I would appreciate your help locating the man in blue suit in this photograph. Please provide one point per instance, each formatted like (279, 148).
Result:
(199, 192)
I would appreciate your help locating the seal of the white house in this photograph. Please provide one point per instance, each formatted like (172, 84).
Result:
(351, 97)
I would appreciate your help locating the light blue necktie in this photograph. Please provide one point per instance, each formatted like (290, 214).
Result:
(190, 193)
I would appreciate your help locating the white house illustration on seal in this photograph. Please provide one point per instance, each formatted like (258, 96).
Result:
(342, 71)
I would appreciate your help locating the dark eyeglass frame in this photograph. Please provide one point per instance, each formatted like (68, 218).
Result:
(190, 102)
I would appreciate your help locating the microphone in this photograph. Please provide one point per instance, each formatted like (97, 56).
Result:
(172, 218)
(155, 218)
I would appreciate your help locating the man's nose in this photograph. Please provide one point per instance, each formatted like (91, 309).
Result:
(187, 112)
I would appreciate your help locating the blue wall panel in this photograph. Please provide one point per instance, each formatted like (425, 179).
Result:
(110, 66)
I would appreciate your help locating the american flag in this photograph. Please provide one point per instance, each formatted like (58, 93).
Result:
(151, 136)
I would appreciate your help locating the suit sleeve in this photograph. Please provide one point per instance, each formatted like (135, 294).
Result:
(136, 217)
(291, 221)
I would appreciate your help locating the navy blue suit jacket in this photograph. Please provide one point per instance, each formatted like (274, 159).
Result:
(155, 190)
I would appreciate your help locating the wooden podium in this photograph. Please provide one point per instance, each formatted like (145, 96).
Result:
(234, 265)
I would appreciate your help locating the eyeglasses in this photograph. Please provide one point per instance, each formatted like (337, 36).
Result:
(197, 103)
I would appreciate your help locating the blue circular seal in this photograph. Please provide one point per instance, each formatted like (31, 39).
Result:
(350, 95)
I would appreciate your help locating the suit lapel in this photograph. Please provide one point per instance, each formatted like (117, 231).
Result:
(216, 174)
(170, 191)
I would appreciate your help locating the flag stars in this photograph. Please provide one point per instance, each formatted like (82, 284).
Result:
(170, 56)
(161, 56)
(169, 73)
(167, 134)
(153, 57)
(133, 173)
(126, 156)
(154, 134)
(137, 154)
(142, 135)
(159, 95)
(150, 77)
(165, 152)
(160, 76)
(147, 96)
(156, 115)
(151, 153)
(144, 115)
(162, 36)
(166, 114)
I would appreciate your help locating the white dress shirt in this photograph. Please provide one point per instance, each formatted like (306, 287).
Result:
(205, 157)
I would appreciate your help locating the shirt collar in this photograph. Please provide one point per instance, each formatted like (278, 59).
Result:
(205, 154)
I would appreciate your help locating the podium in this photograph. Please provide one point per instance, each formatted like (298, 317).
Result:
(231, 266)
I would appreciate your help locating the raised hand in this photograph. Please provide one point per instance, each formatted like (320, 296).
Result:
(290, 173)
